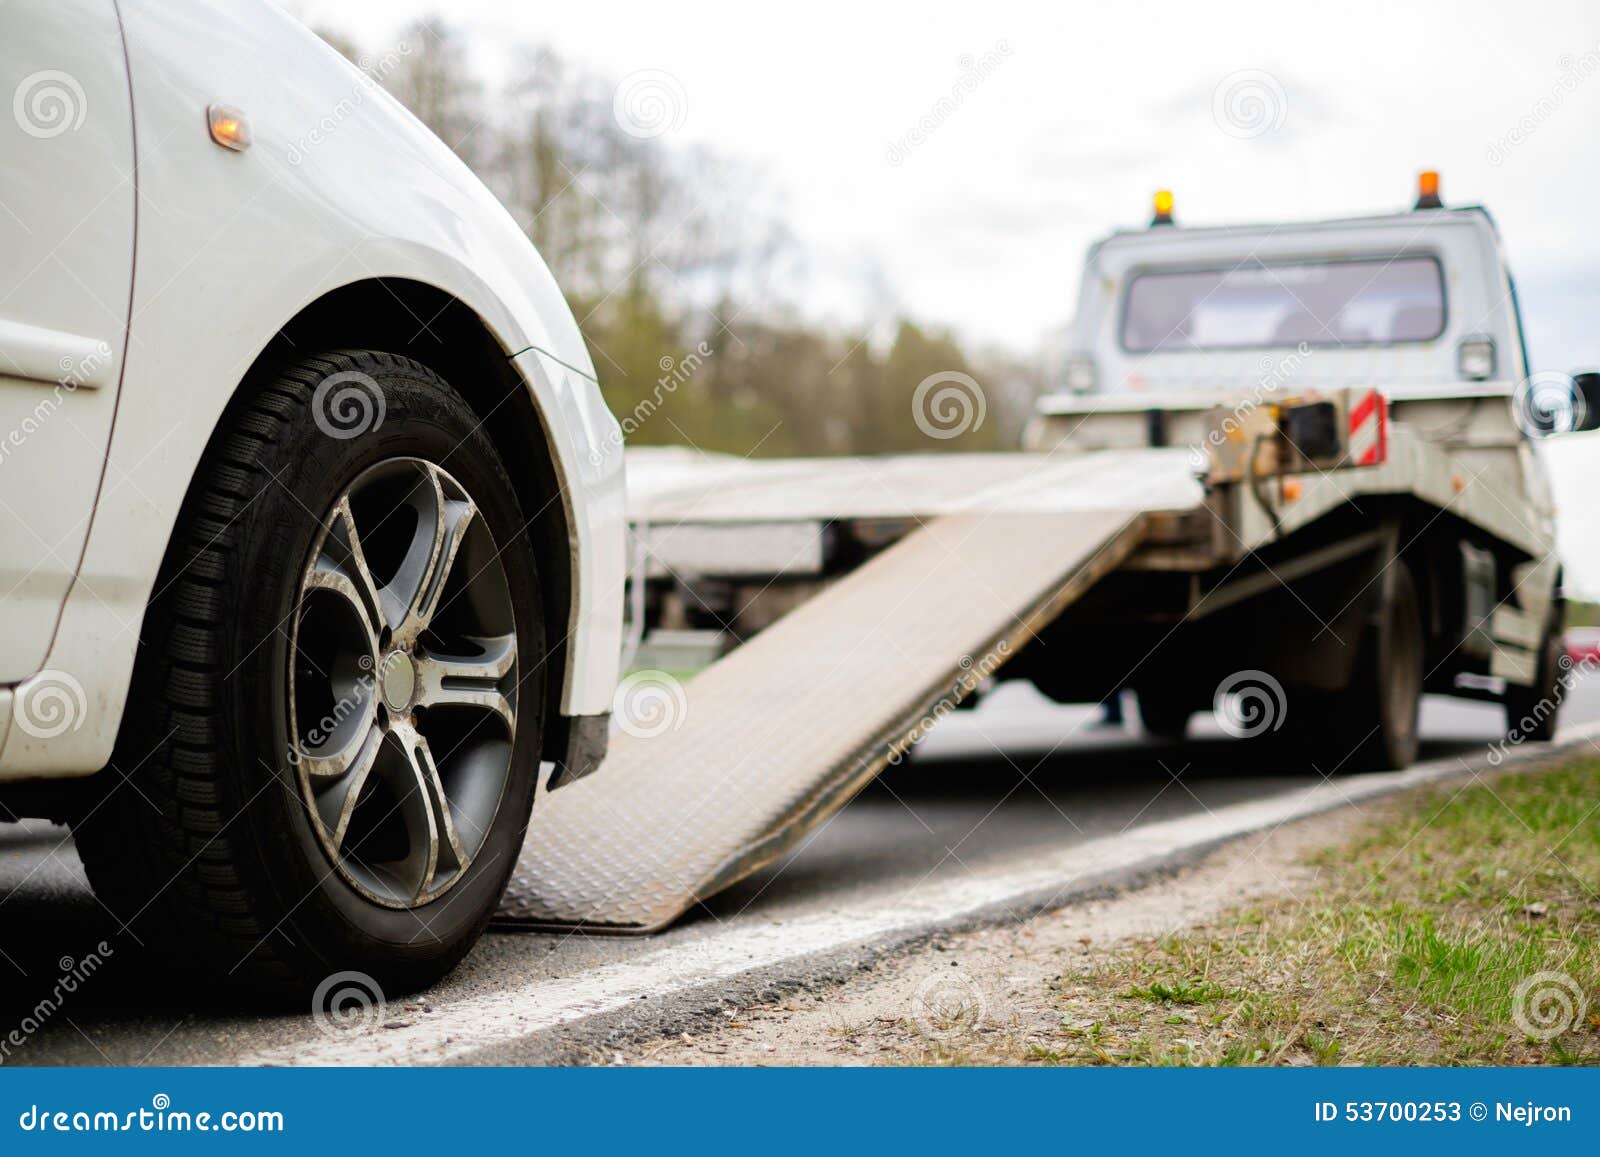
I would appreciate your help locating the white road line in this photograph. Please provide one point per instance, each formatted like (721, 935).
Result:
(465, 1026)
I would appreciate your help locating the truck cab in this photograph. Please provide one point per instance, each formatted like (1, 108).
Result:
(1420, 299)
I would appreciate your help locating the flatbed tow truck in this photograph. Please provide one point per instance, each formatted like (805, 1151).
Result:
(1291, 477)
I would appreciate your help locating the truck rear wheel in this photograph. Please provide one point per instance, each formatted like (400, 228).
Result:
(1531, 711)
(1163, 714)
(1380, 708)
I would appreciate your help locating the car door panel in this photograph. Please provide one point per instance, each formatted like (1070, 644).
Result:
(67, 212)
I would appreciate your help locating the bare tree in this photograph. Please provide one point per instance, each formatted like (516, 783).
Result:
(674, 256)
(435, 81)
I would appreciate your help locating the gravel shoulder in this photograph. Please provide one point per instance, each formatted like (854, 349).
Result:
(997, 987)
(1452, 925)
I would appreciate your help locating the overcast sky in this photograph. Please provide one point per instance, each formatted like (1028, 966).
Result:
(1082, 111)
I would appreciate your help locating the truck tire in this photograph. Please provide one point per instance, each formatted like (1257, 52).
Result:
(1379, 710)
(1163, 714)
(1531, 712)
(329, 753)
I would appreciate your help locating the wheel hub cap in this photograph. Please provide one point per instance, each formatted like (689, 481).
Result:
(399, 681)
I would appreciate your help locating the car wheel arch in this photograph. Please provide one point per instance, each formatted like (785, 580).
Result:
(438, 329)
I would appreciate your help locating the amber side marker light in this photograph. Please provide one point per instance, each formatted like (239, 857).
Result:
(228, 127)
(1428, 190)
(1163, 208)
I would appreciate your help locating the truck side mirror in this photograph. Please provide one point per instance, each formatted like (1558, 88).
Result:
(1551, 403)
(1586, 396)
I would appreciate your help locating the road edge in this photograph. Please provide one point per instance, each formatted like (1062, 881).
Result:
(684, 987)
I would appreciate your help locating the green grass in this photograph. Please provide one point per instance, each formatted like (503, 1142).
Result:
(1409, 949)
(1180, 992)
(1582, 614)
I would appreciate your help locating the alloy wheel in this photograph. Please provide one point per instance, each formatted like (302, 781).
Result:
(402, 683)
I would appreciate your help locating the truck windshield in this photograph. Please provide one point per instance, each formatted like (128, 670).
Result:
(1376, 301)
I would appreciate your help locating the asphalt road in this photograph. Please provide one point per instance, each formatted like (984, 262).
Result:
(991, 791)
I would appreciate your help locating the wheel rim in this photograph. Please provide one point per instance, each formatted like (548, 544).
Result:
(402, 683)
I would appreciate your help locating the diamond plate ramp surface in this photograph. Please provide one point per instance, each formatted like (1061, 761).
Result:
(765, 744)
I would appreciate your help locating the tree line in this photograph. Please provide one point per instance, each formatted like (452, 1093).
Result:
(668, 251)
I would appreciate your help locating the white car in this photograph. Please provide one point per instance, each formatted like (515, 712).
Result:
(311, 512)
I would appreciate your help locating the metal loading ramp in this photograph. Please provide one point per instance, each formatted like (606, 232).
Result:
(781, 733)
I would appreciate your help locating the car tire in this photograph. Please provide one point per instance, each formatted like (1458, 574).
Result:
(216, 830)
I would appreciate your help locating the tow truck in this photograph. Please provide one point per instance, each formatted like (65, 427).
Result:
(1357, 399)
(1291, 475)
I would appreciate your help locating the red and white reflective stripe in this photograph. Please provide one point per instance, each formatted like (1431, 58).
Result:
(1369, 429)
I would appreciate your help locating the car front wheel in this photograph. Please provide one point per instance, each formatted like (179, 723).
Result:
(330, 752)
